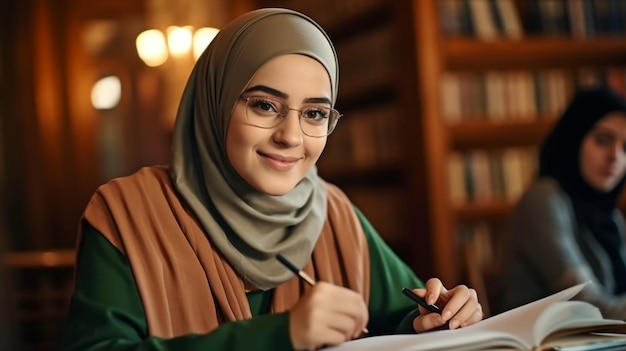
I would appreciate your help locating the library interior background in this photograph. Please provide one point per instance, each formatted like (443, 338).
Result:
(445, 103)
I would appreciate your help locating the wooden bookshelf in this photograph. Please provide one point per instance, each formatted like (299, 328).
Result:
(41, 291)
(408, 80)
(39, 259)
(374, 155)
(487, 135)
(493, 210)
(437, 55)
(533, 52)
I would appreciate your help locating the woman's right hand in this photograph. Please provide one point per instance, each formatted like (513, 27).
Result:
(327, 314)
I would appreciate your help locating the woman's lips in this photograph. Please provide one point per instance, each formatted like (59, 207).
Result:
(279, 162)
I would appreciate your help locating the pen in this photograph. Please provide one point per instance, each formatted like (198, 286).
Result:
(300, 273)
(420, 301)
(307, 278)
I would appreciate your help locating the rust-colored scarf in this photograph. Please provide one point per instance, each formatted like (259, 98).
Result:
(177, 268)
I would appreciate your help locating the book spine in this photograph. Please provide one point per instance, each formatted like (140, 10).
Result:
(483, 20)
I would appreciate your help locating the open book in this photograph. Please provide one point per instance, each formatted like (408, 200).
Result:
(545, 324)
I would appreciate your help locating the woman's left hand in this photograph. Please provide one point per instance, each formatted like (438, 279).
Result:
(459, 307)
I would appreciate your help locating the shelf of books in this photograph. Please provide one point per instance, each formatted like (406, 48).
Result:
(446, 103)
(505, 70)
(366, 155)
(42, 288)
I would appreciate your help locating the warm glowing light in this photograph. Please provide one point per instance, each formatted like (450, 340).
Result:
(202, 38)
(179, 40)
(151, 47)
(106, 93)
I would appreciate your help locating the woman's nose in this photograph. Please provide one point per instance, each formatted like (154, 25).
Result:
(616, 151)
(288, 132)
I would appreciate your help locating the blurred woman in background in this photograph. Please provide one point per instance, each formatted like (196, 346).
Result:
(567, 228)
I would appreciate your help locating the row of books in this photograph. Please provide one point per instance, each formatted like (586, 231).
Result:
(519, 94)
(367, 60)
(480, 235)
(578, 18)
(489, 19)
(42, 282)
(363, 139)
(488, 175)
(485, 19)
(328, 12)
(384, 206)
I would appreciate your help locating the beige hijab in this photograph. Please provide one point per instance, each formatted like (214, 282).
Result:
(249, 228)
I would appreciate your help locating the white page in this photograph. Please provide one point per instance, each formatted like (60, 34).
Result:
(501, 327)
(520, 320)
(457, 340)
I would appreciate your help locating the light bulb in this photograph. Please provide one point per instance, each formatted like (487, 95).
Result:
(106, 93)
(151, 47)
(179, 40)
(201, 39)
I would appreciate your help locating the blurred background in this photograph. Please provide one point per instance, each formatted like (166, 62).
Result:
(80, 104)
(445, 103)
(78, 107)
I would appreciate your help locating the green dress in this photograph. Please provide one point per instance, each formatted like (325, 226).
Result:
(106, 312)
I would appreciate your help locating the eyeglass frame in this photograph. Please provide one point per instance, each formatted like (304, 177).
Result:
(281, 115)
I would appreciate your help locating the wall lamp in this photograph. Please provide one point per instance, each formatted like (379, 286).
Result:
(154, 48)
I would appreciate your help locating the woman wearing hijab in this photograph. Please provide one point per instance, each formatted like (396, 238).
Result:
(184, 257)
(567, 228)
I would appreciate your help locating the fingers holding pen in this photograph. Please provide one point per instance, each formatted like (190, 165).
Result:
(462, 308)
(459, 306)
(429, 318)
(327, 315)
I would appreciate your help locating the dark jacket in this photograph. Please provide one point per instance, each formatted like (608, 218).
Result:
(547, 251)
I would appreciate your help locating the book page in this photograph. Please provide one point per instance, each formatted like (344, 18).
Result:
(520, 321)
(568, 317)
(513, 329)
(588, 342)
(464, 339)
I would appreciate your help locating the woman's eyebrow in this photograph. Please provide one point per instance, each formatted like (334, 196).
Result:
(318, 100)
(285, 96)
(604, 129)
(268, 90)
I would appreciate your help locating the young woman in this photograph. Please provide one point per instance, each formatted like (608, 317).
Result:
(567, 228)
(184, 257)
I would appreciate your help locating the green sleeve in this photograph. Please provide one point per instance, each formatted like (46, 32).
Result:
(106, 312)
(390, 311)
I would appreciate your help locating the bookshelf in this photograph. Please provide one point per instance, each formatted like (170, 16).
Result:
(532, 52)
(555, 57)
(42, 282)
(402, 65)
(371, 155)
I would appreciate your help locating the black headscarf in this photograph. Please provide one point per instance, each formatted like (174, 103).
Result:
(560, 159)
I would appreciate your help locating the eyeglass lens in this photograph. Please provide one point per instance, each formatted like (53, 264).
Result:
(315, 120)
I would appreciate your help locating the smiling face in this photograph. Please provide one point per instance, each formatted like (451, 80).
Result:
(603, 153)
(273, 160)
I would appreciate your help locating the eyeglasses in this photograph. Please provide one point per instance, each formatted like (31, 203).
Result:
(315, 120)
